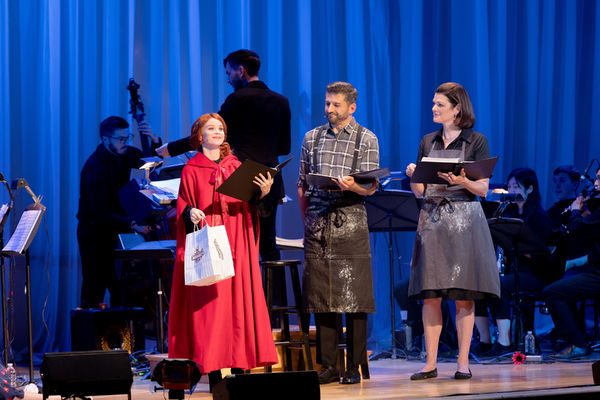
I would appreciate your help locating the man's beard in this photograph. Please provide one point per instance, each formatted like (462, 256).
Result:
(336, 118)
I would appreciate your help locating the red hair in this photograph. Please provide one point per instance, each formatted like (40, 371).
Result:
(196, 133)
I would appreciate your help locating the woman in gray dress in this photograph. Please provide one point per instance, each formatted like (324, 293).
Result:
(453, 256)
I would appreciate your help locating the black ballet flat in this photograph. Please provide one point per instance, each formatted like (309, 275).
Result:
(463, 375)
(419, 376)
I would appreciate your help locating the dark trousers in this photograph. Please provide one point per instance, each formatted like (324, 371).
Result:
(267, 247)
(270, 252)
(328, 337)
(561, 295)
(98, 269)
(500, 308)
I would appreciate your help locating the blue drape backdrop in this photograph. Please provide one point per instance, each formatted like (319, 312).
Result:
(532, 69)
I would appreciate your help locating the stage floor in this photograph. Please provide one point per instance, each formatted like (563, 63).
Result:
(390, 380)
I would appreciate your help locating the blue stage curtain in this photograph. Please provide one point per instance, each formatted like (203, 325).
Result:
(531, 67)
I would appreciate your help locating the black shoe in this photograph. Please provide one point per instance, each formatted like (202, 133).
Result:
(352, 376)
(481, 348)
(572, 352)
(214, 377)
(498, 350)
(329, 374)
(463, 375)
(419, 376)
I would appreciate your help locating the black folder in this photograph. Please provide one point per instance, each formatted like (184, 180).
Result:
(240, 184)
(426, 171)
(326, 181)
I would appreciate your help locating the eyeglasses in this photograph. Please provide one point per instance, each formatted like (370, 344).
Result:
(122, 139)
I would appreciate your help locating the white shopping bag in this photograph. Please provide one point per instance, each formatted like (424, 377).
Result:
(207, 256)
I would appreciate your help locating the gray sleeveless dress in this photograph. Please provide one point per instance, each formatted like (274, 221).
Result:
(453, 256)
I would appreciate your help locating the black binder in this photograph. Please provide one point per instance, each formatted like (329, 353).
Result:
(240, 184)
(426, 171)
(326, 181)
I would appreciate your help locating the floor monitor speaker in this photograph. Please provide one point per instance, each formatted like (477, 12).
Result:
(280, 385)
(86, 373)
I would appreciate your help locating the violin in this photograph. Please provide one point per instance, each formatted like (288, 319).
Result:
(589, 202)
(136, 109)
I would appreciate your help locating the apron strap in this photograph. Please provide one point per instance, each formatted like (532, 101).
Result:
(356, 148)
(320, 133)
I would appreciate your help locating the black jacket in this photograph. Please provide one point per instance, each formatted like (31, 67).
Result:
(102, 176)
(258, 127)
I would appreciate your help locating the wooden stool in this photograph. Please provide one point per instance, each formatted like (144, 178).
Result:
(285, 309)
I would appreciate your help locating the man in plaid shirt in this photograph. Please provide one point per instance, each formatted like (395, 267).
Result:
(337, 257)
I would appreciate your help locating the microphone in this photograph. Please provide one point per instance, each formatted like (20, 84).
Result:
(511, 197)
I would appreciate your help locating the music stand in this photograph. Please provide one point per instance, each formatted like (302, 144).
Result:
(154, 250)
(516, 239)
(19, 245)
(392, 211)
(4, 212)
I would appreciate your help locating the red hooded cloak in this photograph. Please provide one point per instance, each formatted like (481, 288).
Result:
(223, 325)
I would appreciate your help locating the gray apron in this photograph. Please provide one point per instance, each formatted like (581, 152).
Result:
(337, 253)
(453, 256)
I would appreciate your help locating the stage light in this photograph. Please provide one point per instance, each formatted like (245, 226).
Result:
(176, 375)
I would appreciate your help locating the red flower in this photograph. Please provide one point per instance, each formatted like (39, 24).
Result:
(518, 357)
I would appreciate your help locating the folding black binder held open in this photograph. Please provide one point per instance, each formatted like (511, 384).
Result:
(365, 177)
(240, 184)
(426, 171)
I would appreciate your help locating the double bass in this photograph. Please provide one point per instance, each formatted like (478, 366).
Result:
(136, 109)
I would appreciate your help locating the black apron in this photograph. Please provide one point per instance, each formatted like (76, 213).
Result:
(337, 253)
(453, 256)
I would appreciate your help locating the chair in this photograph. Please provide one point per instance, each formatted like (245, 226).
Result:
(285, 309)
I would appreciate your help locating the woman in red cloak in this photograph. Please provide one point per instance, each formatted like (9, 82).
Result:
(224, 325)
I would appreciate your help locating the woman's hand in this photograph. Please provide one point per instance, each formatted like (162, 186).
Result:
(263, 183)
(410, 169)
(454, 179)
(196, 216)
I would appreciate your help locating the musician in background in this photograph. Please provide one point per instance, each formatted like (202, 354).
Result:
(582, 276)
(566, 181)
(258, 123)
(101, 217)
(533, 271)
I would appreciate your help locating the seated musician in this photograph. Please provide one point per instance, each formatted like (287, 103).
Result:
(582, 276)
(224, 325)
(101, 216)
(532, 274)
(565, 179)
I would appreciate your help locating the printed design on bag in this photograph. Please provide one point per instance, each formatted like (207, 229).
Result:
(219, 250)
(197, 255)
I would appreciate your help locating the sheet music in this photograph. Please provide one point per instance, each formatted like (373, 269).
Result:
(21, 238)
(169, 186)
(292, 243)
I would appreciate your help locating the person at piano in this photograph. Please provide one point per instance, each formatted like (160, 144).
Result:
(224, 325)
(582, 276)
(533, 271)
(101, 216)
(453, 256)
